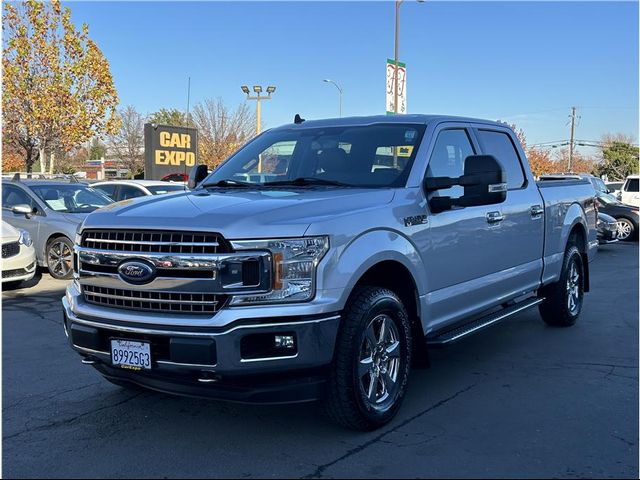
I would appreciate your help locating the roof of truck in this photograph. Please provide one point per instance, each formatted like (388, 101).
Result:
(368, 120)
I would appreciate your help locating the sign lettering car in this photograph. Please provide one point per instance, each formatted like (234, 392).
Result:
(168, 150)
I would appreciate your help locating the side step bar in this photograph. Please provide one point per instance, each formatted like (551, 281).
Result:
(445, 337)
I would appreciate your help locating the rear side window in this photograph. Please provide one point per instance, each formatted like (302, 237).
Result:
(108, 190)
(499, 145)
(632, 185)
(127, 191)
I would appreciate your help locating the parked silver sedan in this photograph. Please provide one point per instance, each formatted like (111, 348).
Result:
(51, 212)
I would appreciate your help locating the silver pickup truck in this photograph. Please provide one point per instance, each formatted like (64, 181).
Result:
(324, 259)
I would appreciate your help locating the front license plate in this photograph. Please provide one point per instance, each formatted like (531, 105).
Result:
(131, 354)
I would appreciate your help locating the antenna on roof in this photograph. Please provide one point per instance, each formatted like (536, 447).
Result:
(298, 119)
(16, 177)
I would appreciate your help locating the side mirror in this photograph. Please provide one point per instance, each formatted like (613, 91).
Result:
(197, 174)
(22, 209)
(484, 182)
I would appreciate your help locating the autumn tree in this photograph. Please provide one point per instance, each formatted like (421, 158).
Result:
(620, 157)
(127, 145)
(57, 87)
(540, 160)
(221, 131)
(170, 116)
(579, 163)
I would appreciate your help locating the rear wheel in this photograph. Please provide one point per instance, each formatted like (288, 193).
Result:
(60, 258)
(372, 360)
(563, 302)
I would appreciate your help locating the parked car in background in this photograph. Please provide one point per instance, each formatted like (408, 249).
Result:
(597, 182)
(614, 187)
(119, 190)
(176, 177)
(18, 255)
(607, 229)
(50, 210)
(626, 215)
(629, 193)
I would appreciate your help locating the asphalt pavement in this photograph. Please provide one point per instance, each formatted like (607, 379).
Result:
(518, 400)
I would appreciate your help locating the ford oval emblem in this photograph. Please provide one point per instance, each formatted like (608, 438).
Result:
(137, 271)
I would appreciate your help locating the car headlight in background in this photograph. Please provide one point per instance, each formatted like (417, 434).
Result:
(294, 268)
(25, 238)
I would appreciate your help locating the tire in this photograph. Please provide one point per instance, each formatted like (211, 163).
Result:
(564, 298)
(59, 258)
(358, 395)
(625, 228)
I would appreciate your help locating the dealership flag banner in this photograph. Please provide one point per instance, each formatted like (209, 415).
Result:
(402, 86)
(168, 149)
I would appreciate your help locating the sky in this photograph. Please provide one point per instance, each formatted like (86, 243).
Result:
(521, 62)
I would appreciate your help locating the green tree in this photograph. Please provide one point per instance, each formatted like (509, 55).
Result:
(620, 157)
(170, 116)
(97, 150)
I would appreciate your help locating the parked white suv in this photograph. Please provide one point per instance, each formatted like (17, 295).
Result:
(629, 192)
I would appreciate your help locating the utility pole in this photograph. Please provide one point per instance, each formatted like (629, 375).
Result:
(573, 126)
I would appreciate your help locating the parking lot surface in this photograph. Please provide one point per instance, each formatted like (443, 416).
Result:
(518, 400)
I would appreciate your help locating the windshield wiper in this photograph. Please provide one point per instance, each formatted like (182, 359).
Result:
(231, 183)
(304, 181)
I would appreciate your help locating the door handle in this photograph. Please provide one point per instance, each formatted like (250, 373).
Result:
(537, 211)
(494, 217)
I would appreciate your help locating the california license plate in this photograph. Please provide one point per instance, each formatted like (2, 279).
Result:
(131, 354)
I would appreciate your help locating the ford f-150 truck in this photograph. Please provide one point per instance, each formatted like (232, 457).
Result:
(325, 258)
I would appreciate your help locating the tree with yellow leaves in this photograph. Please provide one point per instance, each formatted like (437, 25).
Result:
(57, 87)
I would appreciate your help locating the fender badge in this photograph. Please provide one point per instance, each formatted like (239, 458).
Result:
(415, 220)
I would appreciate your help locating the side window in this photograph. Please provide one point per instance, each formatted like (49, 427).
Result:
(447, 159)
(108, 190)
(127, 192)
(12, 196)
(499, 145)
(632, 185)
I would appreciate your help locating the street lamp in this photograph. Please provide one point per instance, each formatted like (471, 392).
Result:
(327, 80)
(395, 88)
(258, 90)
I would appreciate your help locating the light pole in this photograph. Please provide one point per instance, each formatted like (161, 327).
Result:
(339, 90)
(258, 90)
(395, 87)
(257, 98)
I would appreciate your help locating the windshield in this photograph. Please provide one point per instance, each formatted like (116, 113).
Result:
(71, 198)
(359, 156)
(608, 199)
(160, 189)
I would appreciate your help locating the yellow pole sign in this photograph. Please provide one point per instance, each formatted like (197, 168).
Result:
(169, 149)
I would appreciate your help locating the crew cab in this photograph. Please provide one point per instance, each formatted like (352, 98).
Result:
(360, 244)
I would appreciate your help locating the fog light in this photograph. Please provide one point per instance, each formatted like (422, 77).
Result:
(284, 341)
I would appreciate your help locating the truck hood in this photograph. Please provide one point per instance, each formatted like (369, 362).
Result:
(239, 213)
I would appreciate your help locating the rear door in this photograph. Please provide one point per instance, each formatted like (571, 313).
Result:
(518, 249)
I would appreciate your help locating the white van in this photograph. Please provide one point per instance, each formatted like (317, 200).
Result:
(629, 192)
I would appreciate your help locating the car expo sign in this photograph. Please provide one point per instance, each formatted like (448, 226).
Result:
(168, 149)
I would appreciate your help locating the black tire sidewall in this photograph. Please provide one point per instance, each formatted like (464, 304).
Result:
(69, 243)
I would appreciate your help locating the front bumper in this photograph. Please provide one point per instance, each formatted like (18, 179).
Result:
(215, 361)
(20, 267)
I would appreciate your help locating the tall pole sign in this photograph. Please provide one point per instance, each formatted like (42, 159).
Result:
(169, 149)
(401, 75)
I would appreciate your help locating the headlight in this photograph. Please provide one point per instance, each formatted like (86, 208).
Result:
(294, 268)
(25, 238)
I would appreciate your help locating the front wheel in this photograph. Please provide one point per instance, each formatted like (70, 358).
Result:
(625, 228)
(60, 258)
(563, 302)
(371, 364)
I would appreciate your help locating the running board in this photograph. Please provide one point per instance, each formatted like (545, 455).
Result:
(449, 336)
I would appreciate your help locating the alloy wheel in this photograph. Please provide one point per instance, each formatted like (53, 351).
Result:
(379, 362)
(573, 289)
(60, 258)
(623, 228)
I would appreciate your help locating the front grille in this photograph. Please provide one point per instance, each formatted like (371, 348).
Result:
(147, 241)
(10, 249)
(154, 301)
